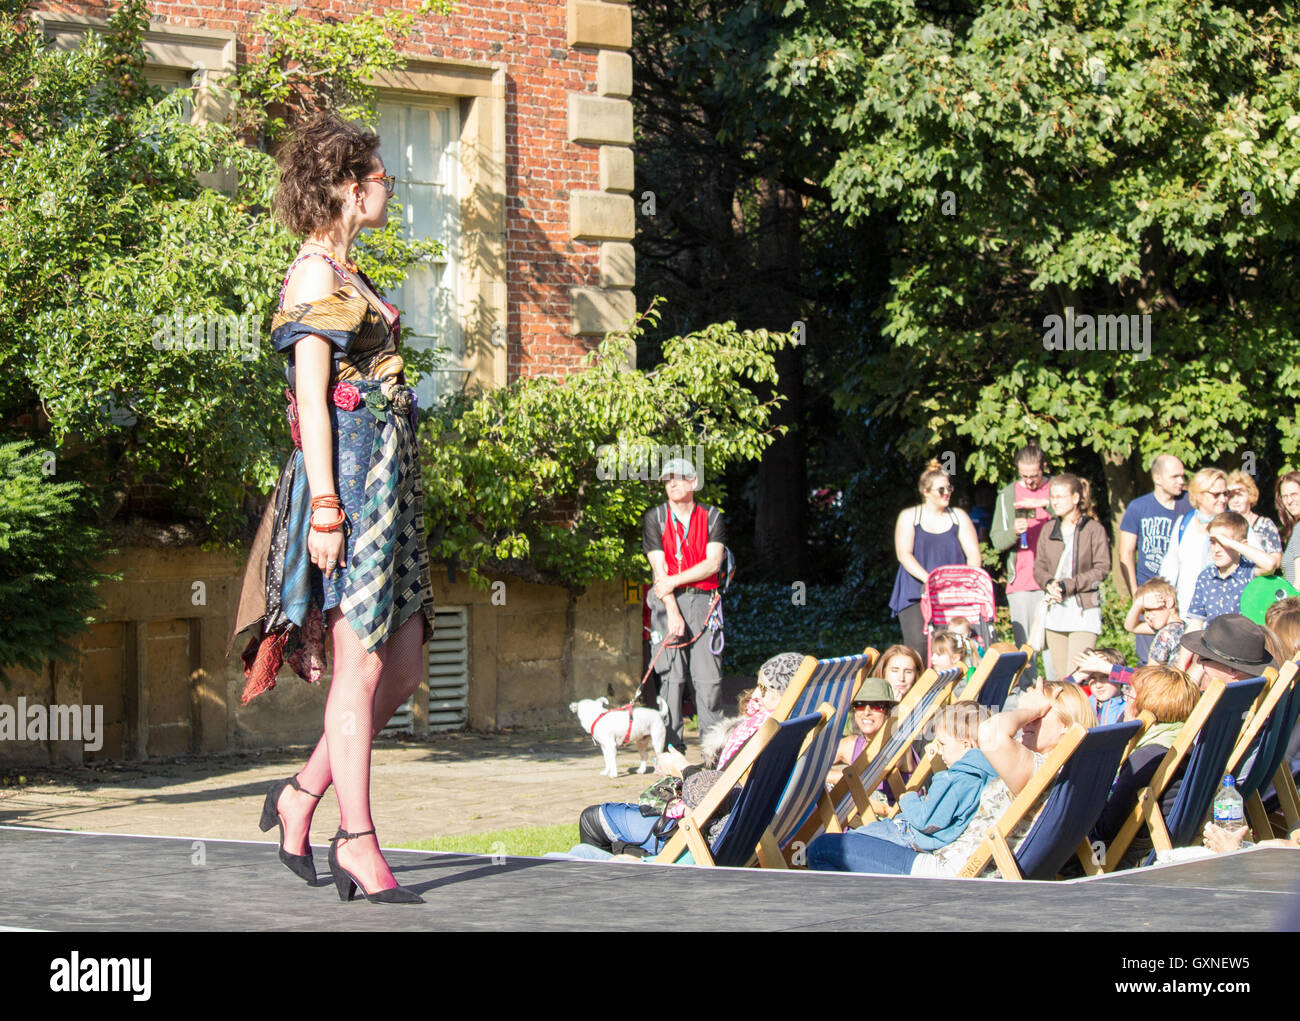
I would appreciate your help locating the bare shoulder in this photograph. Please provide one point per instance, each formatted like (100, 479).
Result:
(311, 280)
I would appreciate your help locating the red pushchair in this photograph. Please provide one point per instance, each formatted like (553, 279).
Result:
(956, 591)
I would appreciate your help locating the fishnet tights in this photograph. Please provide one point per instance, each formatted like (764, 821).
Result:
(365, 690)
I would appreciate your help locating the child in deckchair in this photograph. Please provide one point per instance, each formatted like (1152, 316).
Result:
(970, 650)
(947, 650)
(1170, 696)
(1103, 672)
(932, 820)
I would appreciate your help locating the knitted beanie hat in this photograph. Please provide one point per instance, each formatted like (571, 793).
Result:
(779, 671)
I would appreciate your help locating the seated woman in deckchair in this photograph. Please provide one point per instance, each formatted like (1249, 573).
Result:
(1170, 696)
(873, 709)
(1042, 717)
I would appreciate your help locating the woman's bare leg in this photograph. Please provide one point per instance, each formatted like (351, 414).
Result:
(395, 687)
(365, 685)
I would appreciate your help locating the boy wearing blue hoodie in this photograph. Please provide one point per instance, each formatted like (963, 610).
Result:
(932, 820)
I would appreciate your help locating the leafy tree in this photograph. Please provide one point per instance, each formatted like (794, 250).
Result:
(134, 301)
(47, 549)
(303, 65)
(526, 478)
(1029, 158)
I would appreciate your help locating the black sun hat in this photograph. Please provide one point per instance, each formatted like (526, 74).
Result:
(1232, 640)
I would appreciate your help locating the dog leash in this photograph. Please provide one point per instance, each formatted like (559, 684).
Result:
(714, 613)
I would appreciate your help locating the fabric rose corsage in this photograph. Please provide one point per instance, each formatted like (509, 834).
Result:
(347, 396)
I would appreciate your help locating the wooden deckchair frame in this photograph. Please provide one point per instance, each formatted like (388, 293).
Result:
(689, 834)
(1147, 809)
(932, 763)
(677, 843)
(996, 844)
(1280, 684)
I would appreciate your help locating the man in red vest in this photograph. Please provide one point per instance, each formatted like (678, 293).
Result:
(685, 544)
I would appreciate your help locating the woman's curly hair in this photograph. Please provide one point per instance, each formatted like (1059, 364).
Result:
(324, 152)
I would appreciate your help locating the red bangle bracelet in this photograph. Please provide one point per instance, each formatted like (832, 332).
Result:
(332, 526)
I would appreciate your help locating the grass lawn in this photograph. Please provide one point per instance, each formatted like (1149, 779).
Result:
(529, 841)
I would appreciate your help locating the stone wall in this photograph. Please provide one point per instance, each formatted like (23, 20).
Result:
(155, 661)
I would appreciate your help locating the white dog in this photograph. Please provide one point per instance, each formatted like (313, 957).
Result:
(609, 728)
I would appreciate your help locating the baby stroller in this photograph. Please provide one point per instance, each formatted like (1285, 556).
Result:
(955, 591)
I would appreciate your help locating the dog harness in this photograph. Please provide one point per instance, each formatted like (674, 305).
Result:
(628, 709)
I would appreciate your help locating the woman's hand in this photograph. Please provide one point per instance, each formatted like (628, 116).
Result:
(1035, 701)
(326, 548)
(671, 762)
(1054, 590)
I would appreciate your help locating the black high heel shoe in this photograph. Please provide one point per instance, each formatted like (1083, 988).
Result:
(301, 865)
(347, 884)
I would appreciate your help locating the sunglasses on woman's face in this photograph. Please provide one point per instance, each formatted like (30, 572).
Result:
(880, 707)
(387, 180)
(943, 490)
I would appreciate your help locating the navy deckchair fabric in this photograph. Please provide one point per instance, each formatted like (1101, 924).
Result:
(997, 685)
(1207, 761)
(834, 681)
(754, 807)
(1075, 801)
(1260, 764)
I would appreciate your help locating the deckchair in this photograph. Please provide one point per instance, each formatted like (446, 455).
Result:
(1261, 749)
(816, 681)
(1076, 779)
(849, 799)
(1204, 744)
(764, 764)
(995, 676)
(805, 796)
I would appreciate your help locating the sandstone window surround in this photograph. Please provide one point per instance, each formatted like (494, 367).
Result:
(606, 216)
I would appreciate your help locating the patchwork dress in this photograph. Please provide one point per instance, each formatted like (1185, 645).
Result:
(384, 575)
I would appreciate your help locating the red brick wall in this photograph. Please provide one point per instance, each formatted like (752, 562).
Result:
(529, 36)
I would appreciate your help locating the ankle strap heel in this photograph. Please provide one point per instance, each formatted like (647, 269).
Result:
(343, 834)
(293, 782)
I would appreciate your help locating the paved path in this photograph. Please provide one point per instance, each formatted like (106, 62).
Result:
(449, 785)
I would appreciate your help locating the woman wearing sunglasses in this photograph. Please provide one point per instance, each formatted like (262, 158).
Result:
(872, 707)
(341, 551)
(929, 535)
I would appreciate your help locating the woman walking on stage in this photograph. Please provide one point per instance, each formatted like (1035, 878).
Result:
(341, 549)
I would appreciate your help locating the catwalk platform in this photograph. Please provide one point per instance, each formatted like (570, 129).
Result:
(73, 881)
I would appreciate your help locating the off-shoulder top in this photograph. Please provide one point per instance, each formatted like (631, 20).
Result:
(364, 345)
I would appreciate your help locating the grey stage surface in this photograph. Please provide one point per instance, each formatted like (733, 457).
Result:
(69, 881)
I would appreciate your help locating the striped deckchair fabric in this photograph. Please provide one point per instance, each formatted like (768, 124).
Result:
(849, 799)
(816, 682)
(833, 681)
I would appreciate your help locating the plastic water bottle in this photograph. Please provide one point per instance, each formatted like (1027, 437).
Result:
(1229, 809)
